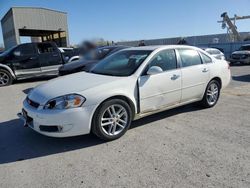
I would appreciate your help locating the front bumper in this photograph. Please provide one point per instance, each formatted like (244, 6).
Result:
(70, 122)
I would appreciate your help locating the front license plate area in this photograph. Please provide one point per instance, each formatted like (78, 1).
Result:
(28, 121)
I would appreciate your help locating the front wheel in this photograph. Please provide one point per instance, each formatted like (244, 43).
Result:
(5, 78)
(112, 119)
(212, 94)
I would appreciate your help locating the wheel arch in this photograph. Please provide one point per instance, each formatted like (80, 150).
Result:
(7, 68)
(124, 98)
(218, 79)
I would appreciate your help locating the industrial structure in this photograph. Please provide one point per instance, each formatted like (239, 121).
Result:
(40, 24)
(230, 25)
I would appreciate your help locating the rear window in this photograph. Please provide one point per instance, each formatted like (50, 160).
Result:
(213, 52)
(45, 48)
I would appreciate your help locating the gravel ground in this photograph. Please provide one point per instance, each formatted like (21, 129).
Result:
(184, 147)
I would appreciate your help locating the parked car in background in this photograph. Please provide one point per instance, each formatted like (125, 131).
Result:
(29, 60)
(67, 53)
(241, 56)
(215, 53)
(89, 60)
(127, 85)
(83, 49)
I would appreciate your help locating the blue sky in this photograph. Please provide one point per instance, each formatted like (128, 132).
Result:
(139, 19)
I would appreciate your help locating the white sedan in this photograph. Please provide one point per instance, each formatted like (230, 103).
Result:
(215, 53)
(125, 86)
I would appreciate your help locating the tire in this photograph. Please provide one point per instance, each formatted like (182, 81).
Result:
(211, 95)
(107, 124)
(5, 78)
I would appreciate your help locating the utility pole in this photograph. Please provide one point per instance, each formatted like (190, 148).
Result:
(231, 26)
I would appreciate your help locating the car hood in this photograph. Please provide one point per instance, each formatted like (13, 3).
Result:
(76, 64)
(69, 84)
(242, 52)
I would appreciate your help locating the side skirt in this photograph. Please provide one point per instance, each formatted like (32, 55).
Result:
(141, 115)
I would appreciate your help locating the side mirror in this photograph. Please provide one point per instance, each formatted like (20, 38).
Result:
(154, 70)
(17, 53)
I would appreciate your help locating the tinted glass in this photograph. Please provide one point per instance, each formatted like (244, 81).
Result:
(45, 48)
(189, 57)
(123, 63)
(25, 49)
(205, 58)
(165, 59)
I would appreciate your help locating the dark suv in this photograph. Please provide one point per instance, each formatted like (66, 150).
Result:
(29, 60)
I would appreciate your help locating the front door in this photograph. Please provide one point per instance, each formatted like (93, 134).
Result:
(162, 89)
(25, 61)
(50, 58)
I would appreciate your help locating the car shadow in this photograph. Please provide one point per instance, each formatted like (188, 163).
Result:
(242, 78)
(165, 114)
(18, 143)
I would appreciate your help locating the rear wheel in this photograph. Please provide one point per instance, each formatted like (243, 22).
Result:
(112, 119)
(212, 94)
(5, 78)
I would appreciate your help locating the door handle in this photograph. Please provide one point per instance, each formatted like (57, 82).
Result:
(205, 70)
(55, 55)
(174, 77)
(32, 58)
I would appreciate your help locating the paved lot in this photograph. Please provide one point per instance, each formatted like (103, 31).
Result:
(185, 147)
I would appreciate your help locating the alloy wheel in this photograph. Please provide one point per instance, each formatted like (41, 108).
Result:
(4, 78)
(212, 93)
(114, 120)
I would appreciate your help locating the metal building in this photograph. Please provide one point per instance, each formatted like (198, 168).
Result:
(41, 24)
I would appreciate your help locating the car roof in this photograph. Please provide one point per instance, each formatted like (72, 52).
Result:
(155, 47)
(112, 47)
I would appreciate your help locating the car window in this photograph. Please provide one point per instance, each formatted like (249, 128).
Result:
(247, 47)
(26, 49)
(189, 57)
(205, 58)
(45, 48)
(123, 63)
(165, 59)
(213, 52)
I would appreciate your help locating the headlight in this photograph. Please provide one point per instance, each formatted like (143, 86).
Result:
(65, 102)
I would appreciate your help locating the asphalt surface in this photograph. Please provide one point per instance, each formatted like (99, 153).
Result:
(184, 147)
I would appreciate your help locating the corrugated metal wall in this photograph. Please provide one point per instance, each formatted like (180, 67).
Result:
(200, 41)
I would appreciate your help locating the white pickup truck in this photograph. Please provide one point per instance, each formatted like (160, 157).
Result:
(241, 56)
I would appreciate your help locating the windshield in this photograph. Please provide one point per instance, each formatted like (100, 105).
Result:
(7, 51)
(123, 63)
(245, 48)
(97, 54)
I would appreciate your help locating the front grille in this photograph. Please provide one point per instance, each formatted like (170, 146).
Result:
(239, 56)
(32, 103)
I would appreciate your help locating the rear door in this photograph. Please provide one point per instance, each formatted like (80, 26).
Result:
(49, 57)
(195, 75)
(25, 61)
